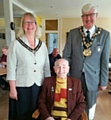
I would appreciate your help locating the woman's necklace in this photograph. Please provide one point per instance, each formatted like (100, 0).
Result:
(29, 48)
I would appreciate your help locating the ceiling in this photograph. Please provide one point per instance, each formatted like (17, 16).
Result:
(57, 8)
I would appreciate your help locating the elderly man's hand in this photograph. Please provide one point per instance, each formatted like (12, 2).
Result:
(3, 63)
(50, 118)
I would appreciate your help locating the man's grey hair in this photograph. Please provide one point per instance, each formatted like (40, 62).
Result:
(88, 7)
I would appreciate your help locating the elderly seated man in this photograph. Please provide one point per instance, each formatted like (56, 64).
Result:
(61, 97)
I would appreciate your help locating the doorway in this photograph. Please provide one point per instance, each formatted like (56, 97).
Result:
(51, 34)
(52, 41)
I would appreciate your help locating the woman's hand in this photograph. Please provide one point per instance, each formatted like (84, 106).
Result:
(13, 91)
(13, 94)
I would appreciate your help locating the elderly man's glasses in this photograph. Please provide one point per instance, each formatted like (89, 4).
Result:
(86, 15)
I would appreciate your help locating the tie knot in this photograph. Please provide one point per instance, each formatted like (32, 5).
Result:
(88, 32)
(88, 36)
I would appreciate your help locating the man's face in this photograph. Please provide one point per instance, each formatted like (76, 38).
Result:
(4, 51)
(89, 19)
(61, 68)
(55, 52)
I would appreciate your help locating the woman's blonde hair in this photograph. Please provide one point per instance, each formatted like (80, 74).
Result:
(21, 31)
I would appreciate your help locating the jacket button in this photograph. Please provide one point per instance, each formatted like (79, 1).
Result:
(35, 63)
(34, 70)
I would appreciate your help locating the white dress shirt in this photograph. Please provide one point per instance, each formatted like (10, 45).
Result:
(26, 68)
(92, 31)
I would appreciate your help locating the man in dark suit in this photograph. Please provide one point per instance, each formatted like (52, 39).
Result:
(87, 50)
(61, 96)
(52, 58)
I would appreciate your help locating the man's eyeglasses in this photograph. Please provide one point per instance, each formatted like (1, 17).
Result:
(27, 23)
(86, 15)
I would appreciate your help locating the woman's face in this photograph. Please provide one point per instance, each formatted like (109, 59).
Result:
(29, 25)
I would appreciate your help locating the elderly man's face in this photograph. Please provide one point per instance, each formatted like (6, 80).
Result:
(61, 68)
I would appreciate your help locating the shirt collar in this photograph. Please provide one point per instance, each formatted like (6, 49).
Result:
(92, 31)
(24, 39)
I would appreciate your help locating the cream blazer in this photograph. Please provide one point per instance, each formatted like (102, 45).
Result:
(26, 68)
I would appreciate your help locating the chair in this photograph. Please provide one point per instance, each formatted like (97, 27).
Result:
(36, 113)
(84, 116)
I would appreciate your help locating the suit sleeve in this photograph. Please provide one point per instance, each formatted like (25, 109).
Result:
(67, 49)
(47, 64)
(79, 103)
(105, 60)
(42, 101)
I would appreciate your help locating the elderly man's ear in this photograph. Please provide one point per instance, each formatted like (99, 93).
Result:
(68, 69)
(54, 68)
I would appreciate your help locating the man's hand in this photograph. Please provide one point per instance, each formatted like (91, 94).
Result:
(102, 88)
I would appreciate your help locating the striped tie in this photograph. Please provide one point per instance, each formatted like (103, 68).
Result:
(88, 36)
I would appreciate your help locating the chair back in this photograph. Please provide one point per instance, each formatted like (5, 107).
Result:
(84, 116)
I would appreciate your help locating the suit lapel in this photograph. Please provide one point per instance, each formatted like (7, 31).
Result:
(80, 45)
(52, 87)
(96, 41)
(69, 90)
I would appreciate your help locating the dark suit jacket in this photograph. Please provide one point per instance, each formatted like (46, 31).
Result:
(52, 61)
(96, 65)
(75, 100)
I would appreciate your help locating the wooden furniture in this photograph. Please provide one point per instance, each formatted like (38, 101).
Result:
(109, 73)
(84, 116)
(3, 71)
(109, 80)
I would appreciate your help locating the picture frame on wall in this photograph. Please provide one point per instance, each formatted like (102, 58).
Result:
(67, 33)
(2, 36)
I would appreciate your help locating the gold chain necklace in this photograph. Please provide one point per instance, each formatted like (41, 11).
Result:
(87, 51)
